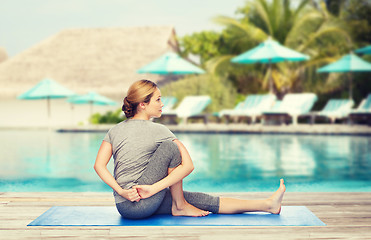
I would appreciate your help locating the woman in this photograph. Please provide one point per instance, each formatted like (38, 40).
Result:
(150, 164)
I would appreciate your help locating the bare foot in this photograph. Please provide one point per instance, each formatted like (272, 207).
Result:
(276, 199)
(187, 210)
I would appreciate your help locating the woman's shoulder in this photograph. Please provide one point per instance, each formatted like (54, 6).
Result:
(138, 123)
(158, 125)
(160, 128)
(143, 124)
(118, 126)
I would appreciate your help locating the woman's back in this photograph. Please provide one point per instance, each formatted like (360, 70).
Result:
(133, 143)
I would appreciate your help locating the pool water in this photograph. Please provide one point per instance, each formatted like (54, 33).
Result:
(37, 160)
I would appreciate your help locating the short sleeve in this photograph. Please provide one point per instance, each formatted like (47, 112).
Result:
(164, 134)
(107, 138)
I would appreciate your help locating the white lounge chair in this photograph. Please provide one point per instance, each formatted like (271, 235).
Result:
(253, 106)
(292, 105)
(228, 112)
(190, 107)
(363, 112)
(169, 103)
(336, 109)
(276, 105)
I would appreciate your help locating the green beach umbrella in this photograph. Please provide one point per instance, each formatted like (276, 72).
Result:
(91, 98)
(348, 63)
(269, 52)
(46, 89)
(364, 50)
(170, 63)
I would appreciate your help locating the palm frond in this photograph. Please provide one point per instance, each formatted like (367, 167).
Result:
(300, 31)
(320, 61)
(299, 10)
(262, 10)
(213, 65)
(228, 21)
(275, 16)
(248, 31)
(321, 33)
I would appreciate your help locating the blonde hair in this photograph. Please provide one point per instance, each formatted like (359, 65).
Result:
(140, 91)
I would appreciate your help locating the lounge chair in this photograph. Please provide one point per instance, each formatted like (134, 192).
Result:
(169, 103)
(276, 105)
(336, 109)
(253, 106)
(190, 107)
(229, 112)
(292, 106)
(362, 113)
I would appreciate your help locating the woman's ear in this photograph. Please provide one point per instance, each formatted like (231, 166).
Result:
(141, 105)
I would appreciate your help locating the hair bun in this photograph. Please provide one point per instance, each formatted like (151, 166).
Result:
(127, 108)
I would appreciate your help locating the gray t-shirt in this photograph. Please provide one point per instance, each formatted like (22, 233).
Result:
(133, 143)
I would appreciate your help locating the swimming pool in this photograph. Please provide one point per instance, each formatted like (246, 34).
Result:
(38, 160)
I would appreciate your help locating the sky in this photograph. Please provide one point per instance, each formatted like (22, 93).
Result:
(24, 23)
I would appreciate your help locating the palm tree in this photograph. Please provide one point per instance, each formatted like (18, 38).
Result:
(304, 27)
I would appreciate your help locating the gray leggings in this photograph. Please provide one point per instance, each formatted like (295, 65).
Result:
(166, 156)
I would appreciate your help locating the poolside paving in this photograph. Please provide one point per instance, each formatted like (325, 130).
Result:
(243, 128)
(240, 128)
(347, 215)
(328, 129)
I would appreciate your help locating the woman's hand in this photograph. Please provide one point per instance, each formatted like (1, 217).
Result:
(130, 194)
(145, 191)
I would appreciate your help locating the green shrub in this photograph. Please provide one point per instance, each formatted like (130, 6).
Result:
(108, 117)
(222, 93)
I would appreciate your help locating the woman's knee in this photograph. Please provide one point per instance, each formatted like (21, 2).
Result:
(170, 145)
(172, 151)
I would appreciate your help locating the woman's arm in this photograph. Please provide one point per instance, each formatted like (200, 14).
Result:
(176, 175)
(100, 166)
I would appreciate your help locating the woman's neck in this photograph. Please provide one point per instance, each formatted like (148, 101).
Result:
(139, 116)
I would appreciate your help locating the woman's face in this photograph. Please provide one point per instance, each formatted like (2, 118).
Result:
(154, 107)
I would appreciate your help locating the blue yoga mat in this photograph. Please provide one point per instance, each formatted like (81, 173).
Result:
(108, 216)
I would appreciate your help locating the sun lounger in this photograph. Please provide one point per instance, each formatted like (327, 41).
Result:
(292, 106)
(362, 113)
(364, 106)
(276, 105)
(227, 113)
(253, 106)
(336, 109)
(190, 107)
(169, 103)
